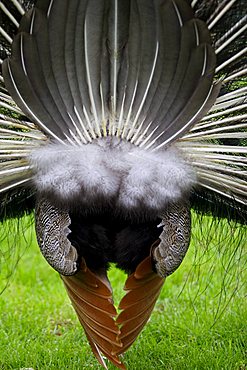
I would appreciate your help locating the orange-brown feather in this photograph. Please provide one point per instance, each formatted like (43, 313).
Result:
(91, 296)
(143, 288)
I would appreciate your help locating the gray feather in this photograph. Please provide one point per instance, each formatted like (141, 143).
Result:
(52, 228)
(21, 90)
(118, 33)
(42, 42)
(174, 239)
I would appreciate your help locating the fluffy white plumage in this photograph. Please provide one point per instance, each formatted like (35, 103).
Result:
(112, 170)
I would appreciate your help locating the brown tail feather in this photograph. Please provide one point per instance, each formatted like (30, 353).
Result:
(97, 352)
(143, 288)
(91, 296)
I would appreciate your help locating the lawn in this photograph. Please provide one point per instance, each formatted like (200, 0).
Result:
(199, 322)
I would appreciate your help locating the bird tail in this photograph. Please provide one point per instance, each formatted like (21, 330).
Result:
(217, 144)
(149, 76)
(114, 89)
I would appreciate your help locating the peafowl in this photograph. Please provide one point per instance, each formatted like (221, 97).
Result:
(118, 118)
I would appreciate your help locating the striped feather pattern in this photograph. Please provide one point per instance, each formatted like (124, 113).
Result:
(216, 146)
(80, 76)
(18, 137)
(70, 98)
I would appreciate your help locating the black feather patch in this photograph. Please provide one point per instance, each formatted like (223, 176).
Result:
(108, 237)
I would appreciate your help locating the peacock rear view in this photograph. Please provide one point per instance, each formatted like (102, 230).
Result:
(117, 118)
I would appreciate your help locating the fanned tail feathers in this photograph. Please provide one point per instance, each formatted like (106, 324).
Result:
(142, 74)
(216, 145)
(133, 97)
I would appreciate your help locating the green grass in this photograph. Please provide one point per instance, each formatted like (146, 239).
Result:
(199, 321)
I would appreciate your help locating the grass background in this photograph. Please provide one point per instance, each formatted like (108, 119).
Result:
(199, 321)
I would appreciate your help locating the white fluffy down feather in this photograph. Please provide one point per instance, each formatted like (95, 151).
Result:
(112, 170)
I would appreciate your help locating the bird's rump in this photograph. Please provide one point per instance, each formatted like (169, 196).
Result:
(111, 172)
